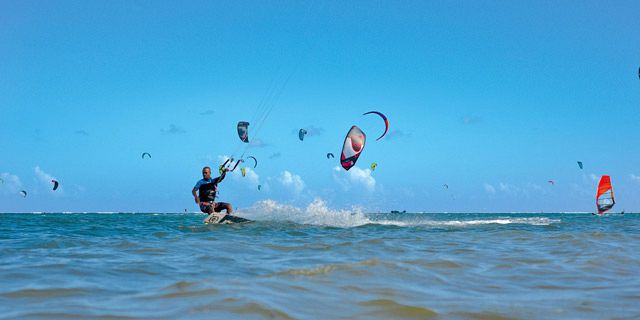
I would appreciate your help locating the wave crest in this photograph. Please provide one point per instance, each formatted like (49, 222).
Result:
(316, 213)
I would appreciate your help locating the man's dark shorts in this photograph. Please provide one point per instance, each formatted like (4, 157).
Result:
(210, 207)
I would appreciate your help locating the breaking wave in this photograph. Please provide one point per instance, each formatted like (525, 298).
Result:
(319, 213)
(316, 213)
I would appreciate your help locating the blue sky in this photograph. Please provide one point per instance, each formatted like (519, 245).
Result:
(492, 98)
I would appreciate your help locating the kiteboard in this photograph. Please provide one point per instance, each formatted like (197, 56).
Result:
(222, 218)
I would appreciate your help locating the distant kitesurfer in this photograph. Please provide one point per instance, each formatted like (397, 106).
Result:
(207, 189)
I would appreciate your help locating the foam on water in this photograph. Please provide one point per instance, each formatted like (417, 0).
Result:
(316, 213)
(319, 213)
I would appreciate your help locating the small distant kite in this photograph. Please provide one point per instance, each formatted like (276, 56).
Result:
(255, 161)
(373, 166)
(301, 134)
(386, 122)
(553, 183)
(24, 193)
(580, 164)
(446, 186)
(259, 187)
(243, 170)
(330, 155)
(147, 154)
(55, 184)
(243, 131)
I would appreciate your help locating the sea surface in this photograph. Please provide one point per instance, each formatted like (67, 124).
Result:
(318, 263)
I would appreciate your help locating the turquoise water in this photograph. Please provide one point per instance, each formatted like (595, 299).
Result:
(316, 263)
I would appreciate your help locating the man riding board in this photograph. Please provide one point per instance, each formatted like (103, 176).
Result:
(207, 189)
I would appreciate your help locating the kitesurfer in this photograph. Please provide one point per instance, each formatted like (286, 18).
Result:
(207, 189)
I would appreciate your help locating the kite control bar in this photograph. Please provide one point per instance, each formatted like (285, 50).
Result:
(227, 164)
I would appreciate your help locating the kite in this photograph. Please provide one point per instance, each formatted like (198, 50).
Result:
(386, 122)
(255, 160)
(243, 131)
(352, 147)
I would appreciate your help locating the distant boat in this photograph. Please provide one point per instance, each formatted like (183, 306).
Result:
(396, 211)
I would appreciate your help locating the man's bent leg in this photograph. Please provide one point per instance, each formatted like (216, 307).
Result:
(206, 208)
(224, 206)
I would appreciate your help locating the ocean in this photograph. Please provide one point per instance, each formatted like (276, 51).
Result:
(319, 263)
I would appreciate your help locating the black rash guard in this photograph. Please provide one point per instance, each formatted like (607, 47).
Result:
(207, 189)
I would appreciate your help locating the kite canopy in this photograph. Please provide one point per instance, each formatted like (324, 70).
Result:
(352, 147)
(604, 195)
(301, 134)
(259, 187)
(55, 184)
(446, 186)
(386, 122)
(552, 182)
(373, 166)
(24, 193)
(330, 155)
(243, 170)
(255, 164)
(243, 131)
(580, 164)
(148, 155)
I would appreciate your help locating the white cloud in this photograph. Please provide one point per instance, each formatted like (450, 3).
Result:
(257, 143)
(397, 134)
(354, 177)
(45, 178)
(311, 131)
(292, 181)
(489, 188)
(535, 187)
(173, 129)
(42, 176)
(505, 187)
(251, 178)
(81, 133)
(469, 119)
(10, 182)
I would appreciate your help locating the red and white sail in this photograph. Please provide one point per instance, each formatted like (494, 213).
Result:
(352, 147)
(604, 196)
